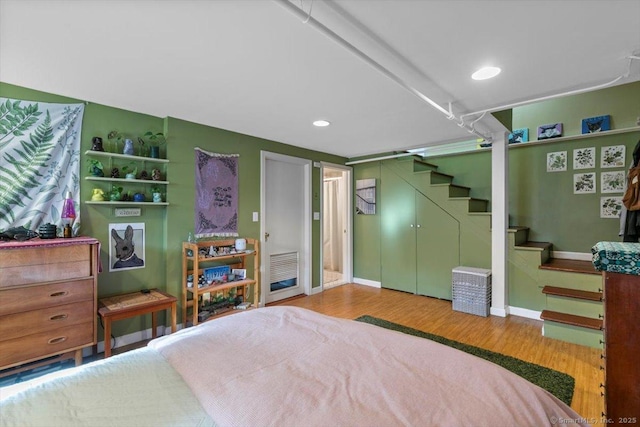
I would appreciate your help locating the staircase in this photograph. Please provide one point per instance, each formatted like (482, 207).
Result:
(574, 308)
(565, 294)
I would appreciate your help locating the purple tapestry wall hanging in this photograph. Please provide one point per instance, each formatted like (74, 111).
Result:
(216, 210)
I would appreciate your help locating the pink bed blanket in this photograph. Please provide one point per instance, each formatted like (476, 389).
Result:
(288, 366)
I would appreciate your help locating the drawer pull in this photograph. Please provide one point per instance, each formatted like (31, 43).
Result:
(59, 317)
(59, 294)
(57, 340)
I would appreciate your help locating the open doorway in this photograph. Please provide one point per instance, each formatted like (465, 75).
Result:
(336, 225)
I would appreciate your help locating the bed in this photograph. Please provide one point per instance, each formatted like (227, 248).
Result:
(285, 366)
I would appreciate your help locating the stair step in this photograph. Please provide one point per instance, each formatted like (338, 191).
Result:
(421, 165)
(520, 234)
(570, 265)
(475, 205)
(572, 293)
(455, 190)
(534, 246)
(572, 319)
(439, 177)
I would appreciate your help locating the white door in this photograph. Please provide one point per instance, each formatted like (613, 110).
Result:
(336, 225)
(285, 226)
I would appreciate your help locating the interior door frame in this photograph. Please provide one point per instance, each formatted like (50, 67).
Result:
(306, 265)
(348, 247)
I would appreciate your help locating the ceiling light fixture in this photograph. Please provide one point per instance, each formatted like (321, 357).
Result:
(321, 123)
(486, 73)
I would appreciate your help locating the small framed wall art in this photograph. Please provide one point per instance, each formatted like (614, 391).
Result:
(126, 247)
(519, 135)
(584, 183)
(612, 156)
(550, 131)
(557, 161)
(610, 207)
(584, 158)
(366, 196)
(596, 124)
(612, 182)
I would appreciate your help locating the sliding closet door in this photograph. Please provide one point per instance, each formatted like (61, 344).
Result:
(438, 243)
(398, 233)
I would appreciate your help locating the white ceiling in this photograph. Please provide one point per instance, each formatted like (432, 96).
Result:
(254, 67)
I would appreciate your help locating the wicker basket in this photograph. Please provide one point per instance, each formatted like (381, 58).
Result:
(471, 290)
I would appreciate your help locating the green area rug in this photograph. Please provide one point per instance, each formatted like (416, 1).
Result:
(557, 383)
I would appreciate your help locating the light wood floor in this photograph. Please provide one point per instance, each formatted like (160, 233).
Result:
(514, 336)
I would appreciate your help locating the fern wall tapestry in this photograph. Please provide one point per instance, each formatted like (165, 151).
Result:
(39, 162)
(216, 210)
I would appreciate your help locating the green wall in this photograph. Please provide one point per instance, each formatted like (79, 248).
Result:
(366, 230)
(167, 227)
(538, 199)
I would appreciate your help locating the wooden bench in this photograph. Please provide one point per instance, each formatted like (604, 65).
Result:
(124, 306)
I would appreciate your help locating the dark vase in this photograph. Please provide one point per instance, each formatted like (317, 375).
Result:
(97, 144)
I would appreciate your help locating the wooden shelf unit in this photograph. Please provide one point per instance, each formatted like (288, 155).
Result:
(194, 265)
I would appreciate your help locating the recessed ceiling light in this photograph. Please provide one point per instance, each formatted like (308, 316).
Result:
(485, 73)
(321, 123)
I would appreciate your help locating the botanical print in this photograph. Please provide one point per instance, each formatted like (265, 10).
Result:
(612, 156)
(610, 207)
(584, 183)
(584, 158)
(557, 162)
(612, 182)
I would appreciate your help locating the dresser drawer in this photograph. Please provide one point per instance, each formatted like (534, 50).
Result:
(27, 298)
(44, 344)
(33, 322)
(44, 264)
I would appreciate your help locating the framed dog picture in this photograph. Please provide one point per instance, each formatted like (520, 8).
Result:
(126, 246)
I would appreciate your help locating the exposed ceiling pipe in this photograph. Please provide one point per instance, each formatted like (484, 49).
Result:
(558, 95)
(375, 159)
(308, 19)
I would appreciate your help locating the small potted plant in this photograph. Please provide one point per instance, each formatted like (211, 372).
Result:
(130, 171)
(96, 167)
(115, 194)
(154, 140)
(156, 193)
(115, 138)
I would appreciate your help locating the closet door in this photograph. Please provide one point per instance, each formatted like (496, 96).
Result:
(398, 233)
(438, 248)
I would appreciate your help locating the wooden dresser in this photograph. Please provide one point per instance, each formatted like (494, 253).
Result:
(620, 266)
(48, 301)
(622, 347)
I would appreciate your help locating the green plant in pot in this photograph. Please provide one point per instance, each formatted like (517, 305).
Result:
(115, 138)
(115, 194)
(130, 171)
(96, 168)
(156, 192)
(154, 141)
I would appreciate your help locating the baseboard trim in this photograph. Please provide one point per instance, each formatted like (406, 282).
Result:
(525, 312)
(132, 338)
(367, 282)
(578, 256)
(501, 312)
